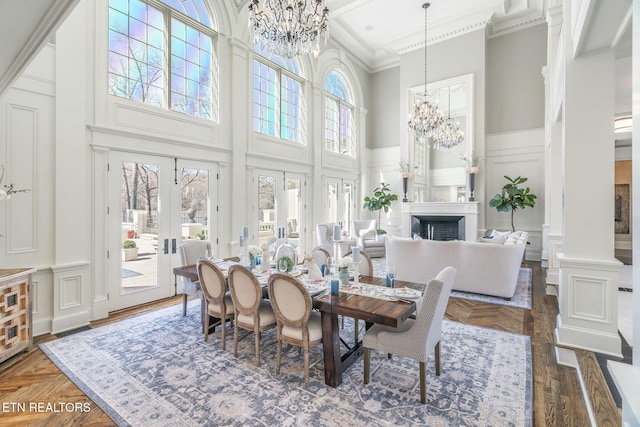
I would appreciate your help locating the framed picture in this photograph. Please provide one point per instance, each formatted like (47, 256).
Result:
(621, 210)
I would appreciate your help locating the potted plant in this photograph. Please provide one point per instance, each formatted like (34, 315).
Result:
(129, 250)
(513, 197)
(381, 199)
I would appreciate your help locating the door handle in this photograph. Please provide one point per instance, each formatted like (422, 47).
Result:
(166, 246)
(173, 246)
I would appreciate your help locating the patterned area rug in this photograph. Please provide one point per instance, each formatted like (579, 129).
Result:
(521, 298)
(155, 369)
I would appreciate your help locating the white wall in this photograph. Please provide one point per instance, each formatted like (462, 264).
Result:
(514, 154)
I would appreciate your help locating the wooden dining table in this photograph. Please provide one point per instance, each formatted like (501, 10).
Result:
(360, 307)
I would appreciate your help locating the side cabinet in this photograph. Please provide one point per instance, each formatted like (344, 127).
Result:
(16, 333)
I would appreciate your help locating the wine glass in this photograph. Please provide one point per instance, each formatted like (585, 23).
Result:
(283, 265)
(391, 275)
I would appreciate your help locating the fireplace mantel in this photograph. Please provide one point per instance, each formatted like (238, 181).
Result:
(467, 209)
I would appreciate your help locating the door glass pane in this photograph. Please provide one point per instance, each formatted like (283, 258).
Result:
(293, 211)
(332, 202)
(195, 204)
(347, 208)
(139, 195)
(266, 207)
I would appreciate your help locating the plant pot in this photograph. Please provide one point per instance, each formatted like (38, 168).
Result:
(129, 254)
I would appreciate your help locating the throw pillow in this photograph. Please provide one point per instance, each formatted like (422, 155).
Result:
(504, 234)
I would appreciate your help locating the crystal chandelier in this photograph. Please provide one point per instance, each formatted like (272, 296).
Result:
(426, 117)
(449, 134)
(289, 28)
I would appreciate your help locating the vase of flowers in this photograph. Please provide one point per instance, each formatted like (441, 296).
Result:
(254, 251)
(343, 267)
(405, 174)
(471, 168)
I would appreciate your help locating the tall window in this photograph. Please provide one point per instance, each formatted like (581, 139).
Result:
(339, 128)
(163, 55)
(278, 101)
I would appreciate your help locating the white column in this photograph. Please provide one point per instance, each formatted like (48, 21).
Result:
(627, 378)
(239, 211)
(588, 304)
(72, 267)
(552, 228)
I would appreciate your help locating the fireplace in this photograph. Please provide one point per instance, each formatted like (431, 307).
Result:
(463, 217)
(438, 227)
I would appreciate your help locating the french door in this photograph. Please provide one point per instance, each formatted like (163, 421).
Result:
(279, 207)
(339, 202)
(154, 204)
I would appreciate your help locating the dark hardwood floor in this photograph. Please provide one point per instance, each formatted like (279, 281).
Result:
(557, 397)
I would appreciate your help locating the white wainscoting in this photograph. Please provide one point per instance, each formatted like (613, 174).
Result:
(516, 154)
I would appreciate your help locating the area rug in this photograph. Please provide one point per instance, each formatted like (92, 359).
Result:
(520, 299)
(156, 369)
(126, 273)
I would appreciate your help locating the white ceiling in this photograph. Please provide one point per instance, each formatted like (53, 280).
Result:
(377, 31)
(25, 26)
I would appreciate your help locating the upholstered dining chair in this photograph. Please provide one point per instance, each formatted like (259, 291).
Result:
(415, 339)
(218, 300)
(189, 252)
(286, 250)
(297, 324)
(252, 312)
(365, 268)
(320, 255)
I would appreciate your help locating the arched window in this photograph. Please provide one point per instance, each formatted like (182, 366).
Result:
(163, 54)
(278, 101)
(339, 126)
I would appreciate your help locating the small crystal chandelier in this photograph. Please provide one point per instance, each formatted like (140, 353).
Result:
(426, 118)
(449, 134)
(289, 28)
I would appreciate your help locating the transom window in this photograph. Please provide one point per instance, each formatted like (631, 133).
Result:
(146, 40)
(278, 101)
(339, 127)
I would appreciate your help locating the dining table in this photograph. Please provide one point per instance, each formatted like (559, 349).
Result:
(385, 311)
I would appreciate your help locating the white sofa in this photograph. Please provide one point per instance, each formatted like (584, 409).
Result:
(483, 268)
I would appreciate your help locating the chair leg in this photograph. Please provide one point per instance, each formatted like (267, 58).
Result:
(235, 339)
(437, 353)
(278, 355)
(223, 325)
(356, 330)
(184, 304)
(206, 328)
(256, 334)
(366, 365)
(423, 383)
(306, 364)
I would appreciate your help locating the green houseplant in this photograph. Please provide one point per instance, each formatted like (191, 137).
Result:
(513, 197)
(129, 250)
(381, 199)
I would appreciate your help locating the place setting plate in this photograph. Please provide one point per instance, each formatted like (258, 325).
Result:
(404, 293)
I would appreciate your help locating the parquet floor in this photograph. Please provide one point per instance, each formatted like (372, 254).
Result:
(557, 399)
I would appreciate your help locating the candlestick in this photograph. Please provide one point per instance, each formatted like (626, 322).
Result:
(245, 232)
(241, 240)
(336, 231)
(356, 254)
